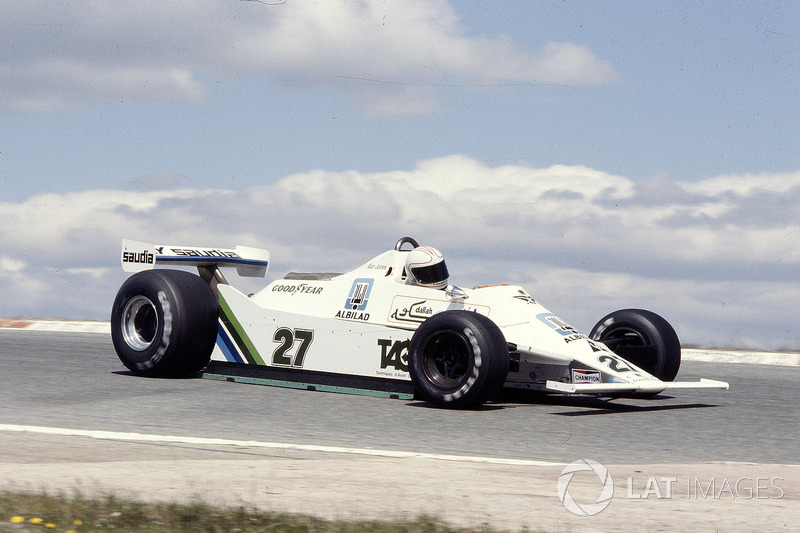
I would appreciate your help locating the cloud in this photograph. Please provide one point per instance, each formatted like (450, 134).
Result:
(10, 266)
(718, 257)
(391, 57)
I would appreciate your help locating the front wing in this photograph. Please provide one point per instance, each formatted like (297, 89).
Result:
(646, 387)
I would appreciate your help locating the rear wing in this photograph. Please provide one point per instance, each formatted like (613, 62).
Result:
(138, 256)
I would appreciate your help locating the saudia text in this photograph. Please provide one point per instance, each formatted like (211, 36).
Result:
(188, 252)
(138, 257)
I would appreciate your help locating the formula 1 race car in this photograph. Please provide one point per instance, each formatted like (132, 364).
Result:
(392, 327)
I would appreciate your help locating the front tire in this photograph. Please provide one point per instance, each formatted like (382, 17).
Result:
(164, 323)
(642, 338)
(458, 359)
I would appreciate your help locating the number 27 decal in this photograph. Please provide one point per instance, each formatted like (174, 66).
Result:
(286, 339)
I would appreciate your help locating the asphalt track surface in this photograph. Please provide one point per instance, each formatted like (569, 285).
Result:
(75, 382)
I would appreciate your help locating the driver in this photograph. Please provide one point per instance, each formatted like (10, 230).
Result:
(425, 267)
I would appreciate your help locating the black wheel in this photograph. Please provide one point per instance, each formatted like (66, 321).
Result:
(458, 359)
(164, 323)
(643, 338)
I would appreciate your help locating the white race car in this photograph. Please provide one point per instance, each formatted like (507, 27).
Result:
(391, 327)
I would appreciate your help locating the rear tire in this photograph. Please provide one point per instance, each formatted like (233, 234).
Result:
(164, 323)
(458, 359)
(642, 338)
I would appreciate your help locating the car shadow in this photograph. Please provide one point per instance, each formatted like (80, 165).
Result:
(585, 405)
(512, 398)
(613, 408)
(590, 405)
(478, 408)
(128, 373)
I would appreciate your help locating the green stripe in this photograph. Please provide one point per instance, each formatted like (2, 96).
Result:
(239, 336)
(309, 386)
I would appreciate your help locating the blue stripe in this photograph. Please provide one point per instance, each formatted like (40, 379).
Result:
(226, 345)
(209, 259)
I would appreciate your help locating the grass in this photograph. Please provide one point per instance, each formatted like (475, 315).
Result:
(43, 512)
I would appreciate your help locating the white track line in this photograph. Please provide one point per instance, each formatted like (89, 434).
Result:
(204, 441)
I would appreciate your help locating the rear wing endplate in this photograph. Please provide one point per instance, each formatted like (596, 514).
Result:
(138, 256)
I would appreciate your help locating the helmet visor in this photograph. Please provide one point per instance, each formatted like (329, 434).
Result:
(431, 273)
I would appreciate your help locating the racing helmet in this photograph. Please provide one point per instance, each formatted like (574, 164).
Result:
(425, 266)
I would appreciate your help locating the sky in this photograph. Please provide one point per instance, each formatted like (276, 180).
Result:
(601, 154)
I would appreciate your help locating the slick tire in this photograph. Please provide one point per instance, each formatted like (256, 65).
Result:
(458, 359)
(642, 338)
(164, 323)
